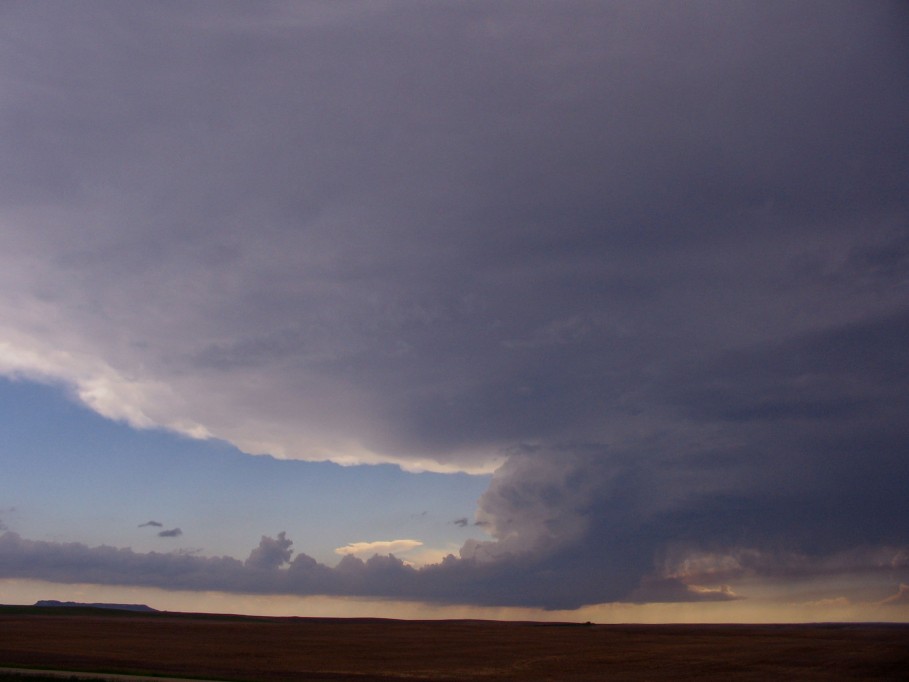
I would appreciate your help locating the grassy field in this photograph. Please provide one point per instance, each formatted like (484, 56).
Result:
(40, 678)
(265, 649)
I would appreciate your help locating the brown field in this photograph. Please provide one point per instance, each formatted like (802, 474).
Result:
(242, 648)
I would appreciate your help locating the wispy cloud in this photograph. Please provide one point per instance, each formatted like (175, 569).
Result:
(154, 524)
(172, 533)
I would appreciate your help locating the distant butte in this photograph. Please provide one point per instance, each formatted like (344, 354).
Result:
(116, 607)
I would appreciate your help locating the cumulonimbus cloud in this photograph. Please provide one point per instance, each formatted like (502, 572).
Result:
(648, 267)
(390, 353)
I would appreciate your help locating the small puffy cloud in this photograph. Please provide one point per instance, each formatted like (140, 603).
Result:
(462, 522)
(172, 533)
(378, 547)
(271, 553)
(154, 524)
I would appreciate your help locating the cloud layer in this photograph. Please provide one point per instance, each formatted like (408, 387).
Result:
(272, 568)
(653, 264)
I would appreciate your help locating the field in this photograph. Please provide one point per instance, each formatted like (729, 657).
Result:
(243, 648)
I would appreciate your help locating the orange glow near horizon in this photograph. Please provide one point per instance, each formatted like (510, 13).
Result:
(768, 610)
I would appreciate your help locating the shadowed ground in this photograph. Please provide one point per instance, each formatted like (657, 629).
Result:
(242, 648)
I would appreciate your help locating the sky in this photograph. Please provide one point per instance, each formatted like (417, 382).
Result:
(560, 310)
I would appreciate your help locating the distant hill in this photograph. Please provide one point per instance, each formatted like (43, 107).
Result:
(116, 607)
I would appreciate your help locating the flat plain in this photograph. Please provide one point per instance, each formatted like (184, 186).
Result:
(217, 647)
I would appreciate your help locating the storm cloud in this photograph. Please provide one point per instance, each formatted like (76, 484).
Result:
(650, 265)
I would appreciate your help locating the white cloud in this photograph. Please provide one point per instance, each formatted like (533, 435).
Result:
(136, 401)
(367, 549)
(718, 592)
(828, 602)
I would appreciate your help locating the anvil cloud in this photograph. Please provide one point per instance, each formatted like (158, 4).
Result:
(648, 263)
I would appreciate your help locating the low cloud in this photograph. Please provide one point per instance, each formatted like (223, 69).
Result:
(462, 522)
(172, 533)
(272, 568)
(267, 570)
(674, 590)
(735, 564)
(834, 602)
(901, 598)
(378, 547)
(155, 524)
